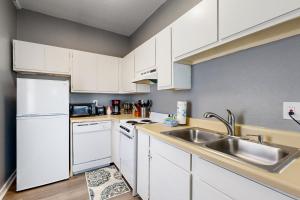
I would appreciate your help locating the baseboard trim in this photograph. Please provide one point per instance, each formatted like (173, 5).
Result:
(7, 185)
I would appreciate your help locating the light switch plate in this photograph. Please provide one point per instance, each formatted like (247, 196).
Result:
(295, 106)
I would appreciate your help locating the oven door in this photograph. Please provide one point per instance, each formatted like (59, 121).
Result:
(128, 157)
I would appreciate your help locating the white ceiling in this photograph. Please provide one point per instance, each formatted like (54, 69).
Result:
(119, 16)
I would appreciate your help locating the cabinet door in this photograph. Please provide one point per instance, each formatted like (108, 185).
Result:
(167, 180)
(164, 58)
(128, 73)
(236, 16)
(203, 191)
(84, 72)
(145, 56)
(57, 60)
(227, 182)
(29, 56)
(196, 28)
(116, 144)
(143, 163)
(107, 74)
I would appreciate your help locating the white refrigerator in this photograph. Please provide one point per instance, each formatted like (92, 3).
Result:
(42, 132)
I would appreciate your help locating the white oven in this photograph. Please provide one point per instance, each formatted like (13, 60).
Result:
(128, 146)
(128, 155)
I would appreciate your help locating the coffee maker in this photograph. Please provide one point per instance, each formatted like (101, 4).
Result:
(116, 107)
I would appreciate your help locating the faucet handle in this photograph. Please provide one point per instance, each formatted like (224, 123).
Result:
(260, 138)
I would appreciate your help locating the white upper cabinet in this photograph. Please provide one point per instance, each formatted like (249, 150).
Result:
(236, 15)
(38, 58)
(145, 56)
(164, 58)
(127, 73)
(84, 72)
(107, 74)
(28, 56)
(196, 28)
(57, 59)
(170, 75)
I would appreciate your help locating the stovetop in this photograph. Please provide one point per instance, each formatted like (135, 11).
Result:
(138, 121)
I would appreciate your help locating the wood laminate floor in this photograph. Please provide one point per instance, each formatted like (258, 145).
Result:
(72, 189)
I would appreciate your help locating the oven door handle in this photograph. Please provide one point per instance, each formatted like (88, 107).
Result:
(126, 135)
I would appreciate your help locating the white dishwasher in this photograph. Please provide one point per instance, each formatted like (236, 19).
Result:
(91, 145)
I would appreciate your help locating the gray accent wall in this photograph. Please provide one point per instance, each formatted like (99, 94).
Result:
(7, 92)
(44, 29)
(252, 83)
(161, 18)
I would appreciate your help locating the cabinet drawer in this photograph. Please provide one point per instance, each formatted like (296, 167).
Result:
(228, 182)
(173, 154)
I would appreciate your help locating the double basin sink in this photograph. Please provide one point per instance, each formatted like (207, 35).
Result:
(267, 156)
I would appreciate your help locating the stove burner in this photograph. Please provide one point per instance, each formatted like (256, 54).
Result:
(132, 122)
(146, 120)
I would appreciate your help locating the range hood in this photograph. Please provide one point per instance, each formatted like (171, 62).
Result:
(146, 77)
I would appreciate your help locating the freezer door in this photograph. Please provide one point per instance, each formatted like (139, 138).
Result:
(42, 151)
(42, 97)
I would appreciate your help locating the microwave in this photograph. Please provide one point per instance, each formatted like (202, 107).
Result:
(82, 109)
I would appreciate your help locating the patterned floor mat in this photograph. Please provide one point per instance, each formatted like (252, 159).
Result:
(105, 183)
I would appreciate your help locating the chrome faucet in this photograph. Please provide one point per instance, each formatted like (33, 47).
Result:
(230, 123)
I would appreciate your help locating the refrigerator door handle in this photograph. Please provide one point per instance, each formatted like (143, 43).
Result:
(42, 115)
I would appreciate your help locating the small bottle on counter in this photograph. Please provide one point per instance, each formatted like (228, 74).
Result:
(108, 110)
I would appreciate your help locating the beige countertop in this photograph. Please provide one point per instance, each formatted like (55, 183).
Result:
(103, 118)
(288, 181)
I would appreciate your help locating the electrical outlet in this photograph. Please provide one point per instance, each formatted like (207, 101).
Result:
(295, 106)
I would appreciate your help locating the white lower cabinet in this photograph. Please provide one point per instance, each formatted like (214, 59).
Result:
(143, 165)
(171, 174)
(203, 191)
(230, 184)
(115, 144)
(162, 176)
(167, 180)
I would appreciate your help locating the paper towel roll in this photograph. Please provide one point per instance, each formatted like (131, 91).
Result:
(181, 112)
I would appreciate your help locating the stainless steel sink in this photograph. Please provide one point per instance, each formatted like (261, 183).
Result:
(195, 135)
(267, 156)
